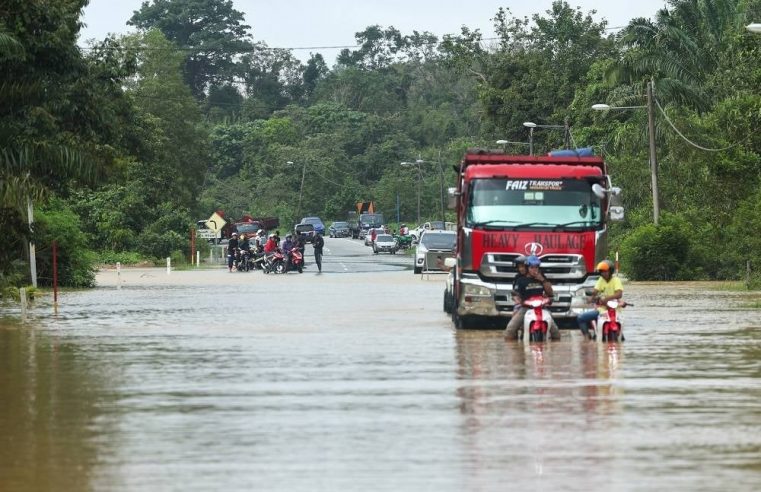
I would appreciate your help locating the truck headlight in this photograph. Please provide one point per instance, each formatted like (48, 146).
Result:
(476, 290)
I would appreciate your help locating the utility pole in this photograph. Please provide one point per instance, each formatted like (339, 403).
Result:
(653, 156)
(301, 190)
(441, 186)
(419, 184)
(567, 134)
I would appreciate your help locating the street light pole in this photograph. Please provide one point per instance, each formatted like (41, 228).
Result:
(651, 141)
(301, 188)
(531, 125)
(419, 184)
(441, 187)
(419, 178)
(418, 162)
(653, 155)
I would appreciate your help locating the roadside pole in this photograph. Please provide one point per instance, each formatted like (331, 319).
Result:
(192, 244)
(32, 250)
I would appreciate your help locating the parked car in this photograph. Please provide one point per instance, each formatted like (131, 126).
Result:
(304, 230)
(385, 243)
(434, 247)
(319, 227)
(369, 235)
(339, 229)
(427, 226)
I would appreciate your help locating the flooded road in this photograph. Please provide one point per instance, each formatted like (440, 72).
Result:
(205, 380)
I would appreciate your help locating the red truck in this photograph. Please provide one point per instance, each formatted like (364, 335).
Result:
(250, 225)
(556, 207)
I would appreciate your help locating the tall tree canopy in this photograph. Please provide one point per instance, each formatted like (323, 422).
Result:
(210, 32)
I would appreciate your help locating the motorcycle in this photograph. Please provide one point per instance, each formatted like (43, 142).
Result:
(404, 241)
(275, 263)
(257, 258)
(609, 322)
(297, 260)
(244, 260)
(536, 321)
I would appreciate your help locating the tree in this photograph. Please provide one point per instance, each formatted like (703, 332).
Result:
(535, 73)
(679, 49)
(210, 33)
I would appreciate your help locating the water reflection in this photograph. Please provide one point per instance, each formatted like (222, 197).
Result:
(46, 421)
(532, 408)
(366, 386)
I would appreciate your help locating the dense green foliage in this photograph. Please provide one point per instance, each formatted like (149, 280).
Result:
(126, 143)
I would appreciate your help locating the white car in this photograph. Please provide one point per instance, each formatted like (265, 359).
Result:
(385, 243)
(434, 247)
(417, 233)
(369, 235)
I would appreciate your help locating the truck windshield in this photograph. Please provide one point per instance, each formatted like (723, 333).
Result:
(372, 220)
(533, 203)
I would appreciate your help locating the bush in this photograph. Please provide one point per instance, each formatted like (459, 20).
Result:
(76, 262)
(123, 257)
(162, 245)
(663, 252)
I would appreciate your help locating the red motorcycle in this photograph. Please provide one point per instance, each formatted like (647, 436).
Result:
(274, 262)
(609, 322)
(536, 322)
(297, 260)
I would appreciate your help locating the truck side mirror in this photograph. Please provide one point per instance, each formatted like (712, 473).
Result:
(616, 209)
(616, 214)
(452, 198)
(598, 190)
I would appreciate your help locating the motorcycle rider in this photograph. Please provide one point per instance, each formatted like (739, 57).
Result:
(521, 271)
(232, 246)
(271, 245)
(534, 283)
(607, 287)
(245, 250)
(286, 246)
(318, 244)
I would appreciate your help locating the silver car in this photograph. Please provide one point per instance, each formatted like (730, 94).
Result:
(434, 247)
(385, 243)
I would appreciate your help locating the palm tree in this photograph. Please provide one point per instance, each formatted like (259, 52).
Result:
(679, 50)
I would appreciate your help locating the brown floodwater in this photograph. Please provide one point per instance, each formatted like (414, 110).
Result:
(215, 381)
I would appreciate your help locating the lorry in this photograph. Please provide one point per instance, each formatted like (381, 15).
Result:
(250, 225)
(556, 207)
(369, 221)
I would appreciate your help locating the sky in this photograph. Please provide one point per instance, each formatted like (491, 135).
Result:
(316, 24)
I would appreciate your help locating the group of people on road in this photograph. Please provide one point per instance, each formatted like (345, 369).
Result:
(265, 246)
(530, 282)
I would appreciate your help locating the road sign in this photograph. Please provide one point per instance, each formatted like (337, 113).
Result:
(215, 222)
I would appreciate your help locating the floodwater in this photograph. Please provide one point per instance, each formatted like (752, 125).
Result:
(215, 381)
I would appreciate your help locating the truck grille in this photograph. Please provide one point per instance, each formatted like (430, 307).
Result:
(499, 267)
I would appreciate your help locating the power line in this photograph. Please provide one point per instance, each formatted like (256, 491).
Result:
(697, 146)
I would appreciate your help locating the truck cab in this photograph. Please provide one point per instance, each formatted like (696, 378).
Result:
(554, 207)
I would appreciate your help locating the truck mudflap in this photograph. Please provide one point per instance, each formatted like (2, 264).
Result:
(479, 298)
